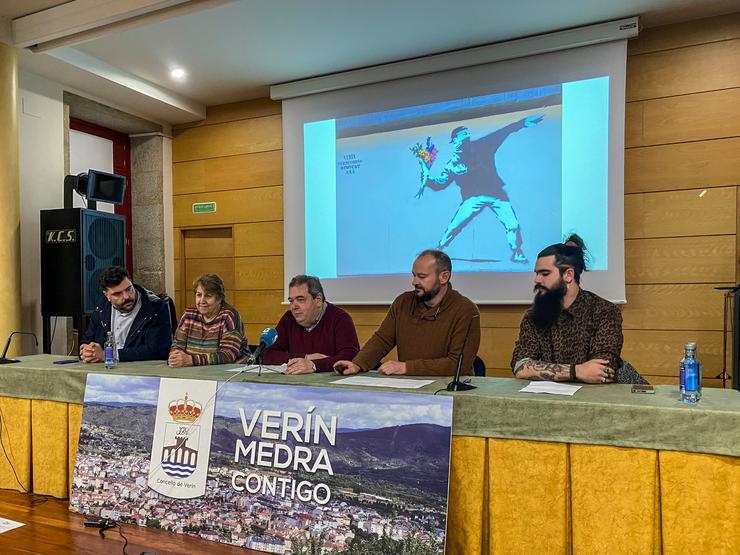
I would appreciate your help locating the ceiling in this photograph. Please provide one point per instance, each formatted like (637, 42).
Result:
(234, 50)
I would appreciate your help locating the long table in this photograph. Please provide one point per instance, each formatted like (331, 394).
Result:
(604, 471)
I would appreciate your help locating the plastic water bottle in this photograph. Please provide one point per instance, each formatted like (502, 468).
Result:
(111, 352)
(690, 375)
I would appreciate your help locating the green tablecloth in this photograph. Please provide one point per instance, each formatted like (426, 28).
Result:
(596, 414)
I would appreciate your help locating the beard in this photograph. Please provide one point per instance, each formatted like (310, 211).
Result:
(426, 295)
(547, 305)
(127, 306)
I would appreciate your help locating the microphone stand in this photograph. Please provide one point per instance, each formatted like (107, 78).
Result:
(4, 360)
(456, 384)
(729, 294)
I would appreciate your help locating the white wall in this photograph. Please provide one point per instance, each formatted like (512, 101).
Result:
(41, 152)
(90, 152)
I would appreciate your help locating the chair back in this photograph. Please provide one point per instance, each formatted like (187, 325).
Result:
(172, 311)
(479, 367)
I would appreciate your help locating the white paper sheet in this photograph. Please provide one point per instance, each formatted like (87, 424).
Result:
(397, 383)
(553, 388)
(6, 525)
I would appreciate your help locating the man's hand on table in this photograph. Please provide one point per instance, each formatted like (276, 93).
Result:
(392, 367)
(595, 371)
(302, 365)
(346, 367)
(92, 352)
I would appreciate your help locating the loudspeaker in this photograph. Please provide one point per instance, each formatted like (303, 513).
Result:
(77, 244)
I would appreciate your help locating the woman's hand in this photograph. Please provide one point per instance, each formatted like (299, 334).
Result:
(179, 359)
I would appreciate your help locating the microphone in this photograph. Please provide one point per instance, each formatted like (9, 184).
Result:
(267, 339)
(4, 360)
(456, 384)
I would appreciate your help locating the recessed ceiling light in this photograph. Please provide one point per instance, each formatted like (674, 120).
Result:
(178, 73)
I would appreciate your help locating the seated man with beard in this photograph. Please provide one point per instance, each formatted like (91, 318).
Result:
(427, 326)
(569, 334)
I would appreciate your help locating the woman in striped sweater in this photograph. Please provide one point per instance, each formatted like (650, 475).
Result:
(210, 333)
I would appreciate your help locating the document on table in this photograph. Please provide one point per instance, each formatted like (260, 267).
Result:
(264, 369)
(397, 383)
(554, 388)
(6, 525)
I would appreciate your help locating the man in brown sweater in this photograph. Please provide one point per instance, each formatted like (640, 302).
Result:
(427, 325)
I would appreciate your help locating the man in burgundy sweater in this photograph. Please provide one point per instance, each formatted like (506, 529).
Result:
(313, 334)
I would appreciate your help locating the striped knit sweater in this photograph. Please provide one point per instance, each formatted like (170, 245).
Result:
(220, 341)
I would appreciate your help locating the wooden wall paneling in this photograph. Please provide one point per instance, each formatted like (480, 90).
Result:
(705, 67)
(711, 163)
(503, 316)
(260, 169)
(234, 111)
(245, 205)
(179, 276)
(680, 213)
(688, 33)
(224, 267)
(497, 346)
(370, 315)
(692, 117)
(633, 124)
(690, 307)
(255, 329)
(657, 353)
(666, 380)
(176, 242)
(501, 373)
(258, 239)
(258, 272)
(227, 139)
(364, 332)
(209, 242)
(260, 306)
(180, 303)
(708, 259)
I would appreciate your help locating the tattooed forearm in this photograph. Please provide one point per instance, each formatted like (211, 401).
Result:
(538, 370)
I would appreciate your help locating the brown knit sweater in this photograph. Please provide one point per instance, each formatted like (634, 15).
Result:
(428, 339)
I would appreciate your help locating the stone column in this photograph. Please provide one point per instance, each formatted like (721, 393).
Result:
(148, 211)
(10, 219)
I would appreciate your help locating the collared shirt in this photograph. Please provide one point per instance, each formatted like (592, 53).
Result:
(589, 328)
(122, 321)
(318, 319)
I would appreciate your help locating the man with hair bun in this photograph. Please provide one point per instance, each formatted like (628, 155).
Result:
(568, 334)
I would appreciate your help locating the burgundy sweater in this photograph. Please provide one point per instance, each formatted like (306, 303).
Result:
(334, 336)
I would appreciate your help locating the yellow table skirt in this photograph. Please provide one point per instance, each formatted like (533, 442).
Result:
(506, 496)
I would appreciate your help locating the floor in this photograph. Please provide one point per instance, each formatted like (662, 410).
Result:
(51, 529)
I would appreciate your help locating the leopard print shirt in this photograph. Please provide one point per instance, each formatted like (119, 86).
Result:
(589, 328)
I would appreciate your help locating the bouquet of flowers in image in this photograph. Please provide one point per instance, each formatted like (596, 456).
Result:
(426, 154)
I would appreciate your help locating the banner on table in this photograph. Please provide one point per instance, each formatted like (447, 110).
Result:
(274, 468)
